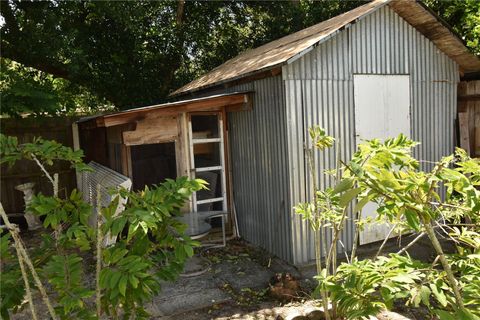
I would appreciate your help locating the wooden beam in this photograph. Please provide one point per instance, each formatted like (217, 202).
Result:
(255, 76)
(477, 130)
(469, 97)
(182, 154)
(127, 161)
(245, 106)
(153, 129)
(76, 146)
(204, 104)
(464, 131)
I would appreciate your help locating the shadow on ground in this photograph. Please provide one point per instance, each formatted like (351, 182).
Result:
(235, 283)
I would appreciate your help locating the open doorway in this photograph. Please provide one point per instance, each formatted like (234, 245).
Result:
(152, 164)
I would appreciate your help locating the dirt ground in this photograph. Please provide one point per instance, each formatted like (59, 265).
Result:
(235, 284)
(252, 301)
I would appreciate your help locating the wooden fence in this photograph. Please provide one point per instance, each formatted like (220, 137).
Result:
(58, 129)
(469, 116)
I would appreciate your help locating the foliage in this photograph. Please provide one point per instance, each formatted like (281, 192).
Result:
(463, 16)
(45, 151)
(27, 91)
(150, 243)
(73, 211)
(145, 49)
(149, 48)
(364, 288)
(412, 200)
(13, 291)
(153, 249)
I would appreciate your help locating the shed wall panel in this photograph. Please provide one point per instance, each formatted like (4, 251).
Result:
(258, 151)
(319, 89)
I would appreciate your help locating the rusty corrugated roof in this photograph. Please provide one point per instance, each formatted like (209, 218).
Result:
(286, 49)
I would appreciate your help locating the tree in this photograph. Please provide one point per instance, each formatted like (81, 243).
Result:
(463, 16)
(126, 52)
(135, 53)
(27, 91)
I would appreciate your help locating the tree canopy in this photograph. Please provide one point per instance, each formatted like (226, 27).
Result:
(133, 53)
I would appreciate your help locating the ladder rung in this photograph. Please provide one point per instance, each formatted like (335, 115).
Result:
(204, 169)
(207, 140)
(209, 200)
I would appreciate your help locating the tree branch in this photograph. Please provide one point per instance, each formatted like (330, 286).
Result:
(56, 69)
(180, 10)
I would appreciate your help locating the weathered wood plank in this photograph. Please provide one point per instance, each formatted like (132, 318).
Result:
(153, 129)
(464, 134)
(212, 103)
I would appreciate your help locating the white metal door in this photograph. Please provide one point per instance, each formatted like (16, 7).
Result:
(212, 140)
(382, 110)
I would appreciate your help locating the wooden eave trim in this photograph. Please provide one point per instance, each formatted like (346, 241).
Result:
(213, 104)
(267, 72)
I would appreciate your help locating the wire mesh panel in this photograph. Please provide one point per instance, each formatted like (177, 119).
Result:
(108, 180)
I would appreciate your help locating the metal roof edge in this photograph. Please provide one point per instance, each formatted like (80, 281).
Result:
(335, 32)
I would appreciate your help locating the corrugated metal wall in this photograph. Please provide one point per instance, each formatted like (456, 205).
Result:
(319, 90)
(258, 150)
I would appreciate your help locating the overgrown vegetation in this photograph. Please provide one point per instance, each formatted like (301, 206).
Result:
(442, 202)
(150, 245)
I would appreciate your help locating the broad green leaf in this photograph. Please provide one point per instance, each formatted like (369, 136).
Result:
(114, 279)
(425, 295)
(412, 219)
(444, 315)
(403, 278)
(348, 196)
(343, 185)
(439, 295)
(359, 206)
(188, 250)
(133, 281)
(122, 285)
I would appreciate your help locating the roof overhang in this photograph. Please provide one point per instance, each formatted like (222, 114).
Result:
(236, 101)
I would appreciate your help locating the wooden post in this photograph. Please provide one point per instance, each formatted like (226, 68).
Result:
(464, 134)
(76, 146)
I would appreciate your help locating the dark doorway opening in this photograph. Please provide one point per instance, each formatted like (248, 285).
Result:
(152, 164)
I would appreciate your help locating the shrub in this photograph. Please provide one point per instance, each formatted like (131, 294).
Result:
(445, 199)
(151, 245)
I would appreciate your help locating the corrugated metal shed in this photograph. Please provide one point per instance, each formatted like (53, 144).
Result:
(287, 49)
(267, 144)
(320, 90)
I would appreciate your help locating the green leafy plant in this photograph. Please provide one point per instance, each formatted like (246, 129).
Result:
(150, 243)
(153, 249)
(445, 199)
(13, 291)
